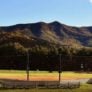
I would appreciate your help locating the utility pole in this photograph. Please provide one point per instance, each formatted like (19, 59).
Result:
(27, 68)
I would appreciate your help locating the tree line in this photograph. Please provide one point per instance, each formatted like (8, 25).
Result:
(14, 56)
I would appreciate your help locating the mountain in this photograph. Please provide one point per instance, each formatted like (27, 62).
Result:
(46, 34)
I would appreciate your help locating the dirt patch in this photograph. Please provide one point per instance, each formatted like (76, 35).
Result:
(40, 78)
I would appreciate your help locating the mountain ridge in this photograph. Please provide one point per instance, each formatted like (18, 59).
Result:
(53, 32)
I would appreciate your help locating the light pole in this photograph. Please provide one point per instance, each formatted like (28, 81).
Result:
(60, 56)
(59, 51)
(60, 68)
(27, 68)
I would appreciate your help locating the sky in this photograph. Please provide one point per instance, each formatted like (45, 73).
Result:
(70, 12)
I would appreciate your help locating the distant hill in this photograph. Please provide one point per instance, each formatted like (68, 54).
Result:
(55, 33)
(43, 42)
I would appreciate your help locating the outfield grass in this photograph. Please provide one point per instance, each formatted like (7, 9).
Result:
(83, 88)
(42, 75)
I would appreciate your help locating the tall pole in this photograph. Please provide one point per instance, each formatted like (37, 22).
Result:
(59, 68)
(28, 66)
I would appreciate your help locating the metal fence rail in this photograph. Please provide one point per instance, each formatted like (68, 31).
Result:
(37, 84)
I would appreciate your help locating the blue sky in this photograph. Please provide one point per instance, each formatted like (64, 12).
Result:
(71, 12)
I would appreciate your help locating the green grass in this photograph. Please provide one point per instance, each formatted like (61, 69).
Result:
(19, 74)
(42, 74)
(83, 88)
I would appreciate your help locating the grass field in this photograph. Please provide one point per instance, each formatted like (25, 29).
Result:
(44, 75)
